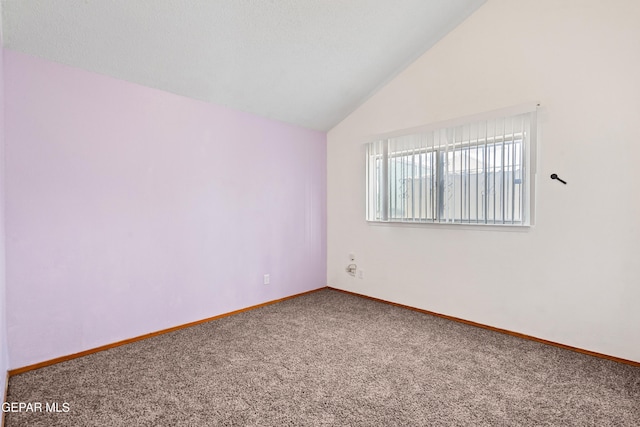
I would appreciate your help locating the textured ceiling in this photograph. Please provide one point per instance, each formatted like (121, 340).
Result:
(306, 62)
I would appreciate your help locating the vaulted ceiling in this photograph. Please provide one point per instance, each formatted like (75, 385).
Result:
(306, 62)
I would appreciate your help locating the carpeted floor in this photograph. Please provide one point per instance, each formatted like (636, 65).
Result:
(329, 358)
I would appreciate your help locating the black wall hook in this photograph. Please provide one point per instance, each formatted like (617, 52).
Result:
(554, 176)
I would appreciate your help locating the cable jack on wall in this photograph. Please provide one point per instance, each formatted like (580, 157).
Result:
(351, 269)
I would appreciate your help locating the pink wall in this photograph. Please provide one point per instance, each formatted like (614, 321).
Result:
(4, 354)
(130, 210)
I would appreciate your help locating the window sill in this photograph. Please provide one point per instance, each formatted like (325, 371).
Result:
(454, 226)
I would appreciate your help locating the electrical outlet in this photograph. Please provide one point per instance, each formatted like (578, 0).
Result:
(267, 279)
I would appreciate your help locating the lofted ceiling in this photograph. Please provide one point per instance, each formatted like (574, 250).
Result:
(306, 62)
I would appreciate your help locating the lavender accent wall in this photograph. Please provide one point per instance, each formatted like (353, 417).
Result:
(130, 210)
(4, 353)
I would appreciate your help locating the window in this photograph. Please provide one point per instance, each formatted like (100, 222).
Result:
(475, 173)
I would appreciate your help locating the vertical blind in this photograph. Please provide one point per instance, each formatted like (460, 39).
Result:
(474, 173)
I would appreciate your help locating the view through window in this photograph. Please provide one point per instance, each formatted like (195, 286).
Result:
(471, 174)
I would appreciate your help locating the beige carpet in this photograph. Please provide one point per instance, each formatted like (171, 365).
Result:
(329, 358)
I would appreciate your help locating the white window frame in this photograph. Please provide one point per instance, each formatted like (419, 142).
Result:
(440, 144)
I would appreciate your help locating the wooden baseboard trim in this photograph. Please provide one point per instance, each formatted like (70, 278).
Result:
(491, 328)
(50, 362)
(39, 365)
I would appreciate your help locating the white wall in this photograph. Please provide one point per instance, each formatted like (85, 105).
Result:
(574, 277)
